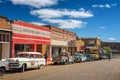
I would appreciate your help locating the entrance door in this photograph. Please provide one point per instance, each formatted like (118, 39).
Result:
(39, 48)
(0, 51)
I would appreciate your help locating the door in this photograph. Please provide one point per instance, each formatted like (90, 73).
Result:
(0, 51)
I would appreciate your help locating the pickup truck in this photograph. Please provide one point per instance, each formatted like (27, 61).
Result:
(63, 58)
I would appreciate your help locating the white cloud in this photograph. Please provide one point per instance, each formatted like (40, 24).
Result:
(58, 13)
(112, 39)
(67, 23)
(101, 6)
(35, 3)
(38, 23)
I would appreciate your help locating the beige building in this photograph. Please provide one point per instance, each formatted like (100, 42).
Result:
(60, 39)
(80, 45)
(5, 38)
(92, 42)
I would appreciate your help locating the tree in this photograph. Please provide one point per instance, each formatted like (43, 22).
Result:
(107, 49)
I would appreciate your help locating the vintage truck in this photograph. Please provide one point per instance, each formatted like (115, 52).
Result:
(63, 58)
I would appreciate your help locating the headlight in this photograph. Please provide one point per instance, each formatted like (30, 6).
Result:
(6, 62)
(17, 61)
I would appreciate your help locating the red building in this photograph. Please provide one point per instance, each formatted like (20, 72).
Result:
(30, 37)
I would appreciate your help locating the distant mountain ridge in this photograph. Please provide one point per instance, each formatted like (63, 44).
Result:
(112, 45)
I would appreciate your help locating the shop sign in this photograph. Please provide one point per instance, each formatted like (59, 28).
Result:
(30, 31)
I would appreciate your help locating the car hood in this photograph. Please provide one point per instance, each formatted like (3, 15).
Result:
(12, 60)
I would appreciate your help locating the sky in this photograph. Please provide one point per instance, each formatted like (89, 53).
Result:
(87, 18)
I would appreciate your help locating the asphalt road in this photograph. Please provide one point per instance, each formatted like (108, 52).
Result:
(95, 70)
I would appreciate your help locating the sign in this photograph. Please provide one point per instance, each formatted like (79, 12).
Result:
(30, 31)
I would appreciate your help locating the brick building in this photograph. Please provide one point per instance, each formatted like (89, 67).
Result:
(60, 39)
(5, 38)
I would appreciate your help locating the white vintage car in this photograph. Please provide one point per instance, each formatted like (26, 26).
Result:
(2, 68)
(26, 60)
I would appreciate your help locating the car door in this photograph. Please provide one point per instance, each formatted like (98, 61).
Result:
(41, 61)
(32, 61)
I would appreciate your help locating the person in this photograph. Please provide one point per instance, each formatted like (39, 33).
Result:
(46, 56)
(109, 56)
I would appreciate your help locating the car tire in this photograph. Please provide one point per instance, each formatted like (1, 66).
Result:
(2, 71)
(40, 67)
(55, 63)
(65, 63)
(22, 68)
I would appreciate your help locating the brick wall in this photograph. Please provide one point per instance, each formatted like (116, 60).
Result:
(61, 34)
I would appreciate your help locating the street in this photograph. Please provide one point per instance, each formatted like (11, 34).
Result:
(94, 70)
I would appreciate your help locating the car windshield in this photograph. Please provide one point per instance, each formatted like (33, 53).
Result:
(23, 55)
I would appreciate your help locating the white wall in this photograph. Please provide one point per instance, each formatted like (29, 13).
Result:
(56, 42)
(5, 50)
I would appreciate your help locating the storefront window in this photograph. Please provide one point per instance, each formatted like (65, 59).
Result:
(0, 37)
(4, 37)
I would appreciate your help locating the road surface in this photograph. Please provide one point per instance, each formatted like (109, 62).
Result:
(94, 70)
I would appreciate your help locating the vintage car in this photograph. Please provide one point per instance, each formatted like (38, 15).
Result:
(63, 58)
(26, 60)
(89, 57)
(78, 58)
(2, 68)
(83, 58)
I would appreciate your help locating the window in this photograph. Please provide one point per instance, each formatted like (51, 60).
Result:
(0, 37)
(4, 37)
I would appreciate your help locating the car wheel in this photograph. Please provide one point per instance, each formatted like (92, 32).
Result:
(55, 63)
(40, 67)
(66, 62)
(2, 71)
(22, 68)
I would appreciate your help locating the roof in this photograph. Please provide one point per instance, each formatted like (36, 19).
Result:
(4, 24)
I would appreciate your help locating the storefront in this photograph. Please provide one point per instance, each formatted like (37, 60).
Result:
(58, 47)
(60, 39)
(5, 38)
(30, 37)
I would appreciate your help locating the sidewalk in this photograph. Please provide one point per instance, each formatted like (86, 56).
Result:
(49, 63)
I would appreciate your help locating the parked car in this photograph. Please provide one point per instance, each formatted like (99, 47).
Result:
(26, 60)
(89, 57)
(80, 57)
(2, 68)
(63, 58)
(83, 57)
(77, 58)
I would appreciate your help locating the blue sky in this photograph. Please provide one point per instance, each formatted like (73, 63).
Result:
(88, 18)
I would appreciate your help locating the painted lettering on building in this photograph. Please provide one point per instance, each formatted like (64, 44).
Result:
(30, 31)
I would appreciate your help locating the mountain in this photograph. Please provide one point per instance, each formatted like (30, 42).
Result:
(115, 46)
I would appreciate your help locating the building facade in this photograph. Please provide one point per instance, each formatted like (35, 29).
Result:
(80, 45)
(92, 42)
(60, 39)
(72, 42)
(30, 37)
(5, 38)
